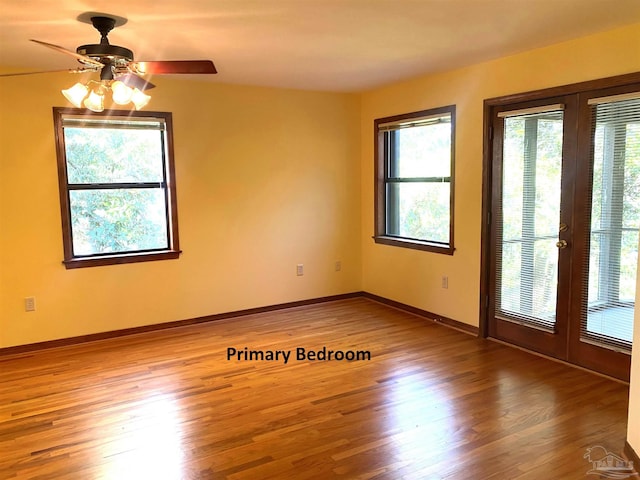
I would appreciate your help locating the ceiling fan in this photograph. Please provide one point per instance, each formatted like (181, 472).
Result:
(119, 72)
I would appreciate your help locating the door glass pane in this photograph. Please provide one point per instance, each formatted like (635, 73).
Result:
(527, 271)
(615, 222)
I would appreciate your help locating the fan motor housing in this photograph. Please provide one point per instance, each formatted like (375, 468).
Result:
(113, 52)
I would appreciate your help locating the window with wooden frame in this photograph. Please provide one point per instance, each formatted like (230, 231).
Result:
(117, 186)
(414, 189)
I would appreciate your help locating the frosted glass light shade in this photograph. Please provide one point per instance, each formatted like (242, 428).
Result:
(76, 94)
(139, 99)
(95, 101)
(121, 94)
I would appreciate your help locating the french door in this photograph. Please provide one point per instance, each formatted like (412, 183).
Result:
(564, 222)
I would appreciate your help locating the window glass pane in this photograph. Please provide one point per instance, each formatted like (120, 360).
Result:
(113, 155)
(419, 211)
(118, 220)
(423, 151)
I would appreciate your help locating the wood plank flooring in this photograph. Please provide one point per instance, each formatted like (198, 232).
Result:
(432, 402)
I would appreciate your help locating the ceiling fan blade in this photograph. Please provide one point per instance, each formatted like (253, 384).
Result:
(134, 81)
(77, 70)
(84, 59)
(173, 66)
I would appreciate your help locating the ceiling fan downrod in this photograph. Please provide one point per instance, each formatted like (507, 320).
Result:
(104, 25)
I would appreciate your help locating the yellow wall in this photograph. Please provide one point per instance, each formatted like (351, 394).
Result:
(266, 179)
(414, 277)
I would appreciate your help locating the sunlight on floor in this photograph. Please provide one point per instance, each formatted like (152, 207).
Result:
(149, 445)
(422, 416)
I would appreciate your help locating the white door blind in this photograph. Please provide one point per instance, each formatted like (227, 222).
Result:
(607, 317)
(528, 218)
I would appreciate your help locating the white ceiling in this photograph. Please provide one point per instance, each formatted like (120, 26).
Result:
(335, 45)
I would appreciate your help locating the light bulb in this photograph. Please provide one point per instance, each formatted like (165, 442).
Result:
(139, 99)
(76, 94)
(95, 101)
(121, 94)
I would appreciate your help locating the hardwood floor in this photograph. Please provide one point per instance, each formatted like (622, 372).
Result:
(432, 402)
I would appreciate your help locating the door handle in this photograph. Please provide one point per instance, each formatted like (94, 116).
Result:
(561, 244)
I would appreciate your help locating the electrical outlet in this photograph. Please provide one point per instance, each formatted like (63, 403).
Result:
(338, 265)
(445, 281)
(30, 304)
(300, 269)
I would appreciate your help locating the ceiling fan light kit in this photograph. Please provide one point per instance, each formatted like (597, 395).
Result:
(139, 98)
(95, 101)
(92, 95)
(76, 94)
(120, 75)
(120, 93)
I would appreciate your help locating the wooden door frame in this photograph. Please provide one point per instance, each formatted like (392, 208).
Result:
(487, 168)
(545, 342)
